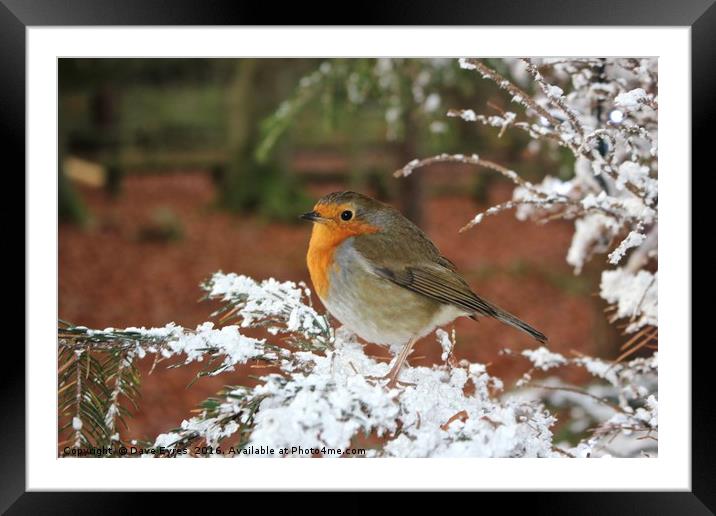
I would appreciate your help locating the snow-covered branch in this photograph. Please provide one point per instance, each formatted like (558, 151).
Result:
(327, 397)
(613, 196)
(605, 111)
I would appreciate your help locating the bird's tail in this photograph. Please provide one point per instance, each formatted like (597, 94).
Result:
(507, 318)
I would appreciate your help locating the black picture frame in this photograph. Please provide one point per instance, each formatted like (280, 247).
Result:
(17, 15)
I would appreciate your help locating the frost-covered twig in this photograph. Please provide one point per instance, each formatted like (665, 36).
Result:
(472, 159)
(518, 95)
(507, 120)
(555, 96)
(630, 397)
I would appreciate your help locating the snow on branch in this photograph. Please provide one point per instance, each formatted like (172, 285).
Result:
(327, 397)
(634, 294)
(99, 366)
(613, 197)
(555, 95)
(325, 402)
(518, 95)
(634, 99)
(624, 409)
(281, 307)
(567, 119)
(473, 159)
(605, 111)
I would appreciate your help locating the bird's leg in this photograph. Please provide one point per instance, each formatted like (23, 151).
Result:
(401, 358)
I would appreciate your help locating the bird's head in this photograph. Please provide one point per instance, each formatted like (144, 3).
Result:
(340, 215)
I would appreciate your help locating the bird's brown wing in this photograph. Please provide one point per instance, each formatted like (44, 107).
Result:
(446, 286)
(439, 283)
(409, 259)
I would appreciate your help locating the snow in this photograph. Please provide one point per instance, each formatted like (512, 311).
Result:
(166, 440)
(320, 400)
(269, 303)
(533, 199)
(554, 91)
(466, 65)
(166, 331)
(631, 100)
(76, 423)
(637, 175)
(446, 344)
(633, 239)
(651, 413)
(588, 237)
(111, 414)
(416, 163)
(228, 341)
(634, 294)
(626, 427)
(600, 369)
(328, 400)
(333, 403)
(468, 115)
(172, 340)
(544, 359)
(477, 219)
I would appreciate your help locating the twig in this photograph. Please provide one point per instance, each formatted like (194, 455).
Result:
(579, 391)
(515, 91)
(473, 159)
(563, 452)
(557, 101)
(78, 399)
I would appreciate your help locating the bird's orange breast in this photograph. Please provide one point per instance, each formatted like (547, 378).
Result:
(325, 238)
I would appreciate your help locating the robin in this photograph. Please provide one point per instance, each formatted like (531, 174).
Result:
(382, 277)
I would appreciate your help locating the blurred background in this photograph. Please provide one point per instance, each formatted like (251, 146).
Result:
(172, 169)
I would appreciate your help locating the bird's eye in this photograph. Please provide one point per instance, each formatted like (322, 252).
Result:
(347, 215)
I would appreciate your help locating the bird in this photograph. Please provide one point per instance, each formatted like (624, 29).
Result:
(382, 277)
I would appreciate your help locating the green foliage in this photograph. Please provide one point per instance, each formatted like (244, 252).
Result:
(263, 188)
(401, 91)
(246, 404)
(94, 386)
(274, 126)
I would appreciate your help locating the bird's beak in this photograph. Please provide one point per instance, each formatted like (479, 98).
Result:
(313, 216)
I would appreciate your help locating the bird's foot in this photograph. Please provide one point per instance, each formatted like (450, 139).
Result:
(393, 381)
(394, 371)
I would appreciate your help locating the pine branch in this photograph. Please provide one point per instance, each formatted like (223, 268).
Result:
(90, 383)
